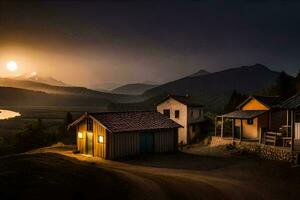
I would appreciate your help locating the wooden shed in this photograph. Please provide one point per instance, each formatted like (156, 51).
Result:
(115, 135)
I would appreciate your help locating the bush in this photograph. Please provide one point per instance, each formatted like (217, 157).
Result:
(33, 136)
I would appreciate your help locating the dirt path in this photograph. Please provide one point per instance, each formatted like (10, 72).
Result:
(161, 182)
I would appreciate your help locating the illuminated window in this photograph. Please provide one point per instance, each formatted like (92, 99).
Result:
(80, 135)
(100, 139)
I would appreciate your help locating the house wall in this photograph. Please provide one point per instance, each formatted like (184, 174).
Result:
(173, 105)
(253, 104)
(194, 113)
(250, 130)
(165, 141)
(99, 148)
(263, 123)
(122, 145)
(81, 142)
(278, 118)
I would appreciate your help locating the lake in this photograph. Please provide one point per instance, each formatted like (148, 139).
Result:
(7, 114)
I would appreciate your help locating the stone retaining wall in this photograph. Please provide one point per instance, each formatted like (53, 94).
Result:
(264, 151)
(218, 141)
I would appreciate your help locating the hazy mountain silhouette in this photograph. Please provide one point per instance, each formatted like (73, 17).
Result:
(201, 72)
(80, 91)
(215, 88)
(133, 89)
(23, 97)
(40, 79)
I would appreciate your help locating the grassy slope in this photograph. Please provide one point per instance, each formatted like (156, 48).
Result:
(53, 176)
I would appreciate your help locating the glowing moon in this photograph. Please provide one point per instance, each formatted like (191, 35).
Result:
(12, 66)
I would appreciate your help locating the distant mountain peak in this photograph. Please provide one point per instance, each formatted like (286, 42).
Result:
(133, 88)
(33, 76)
(257, 66)
(201, 72)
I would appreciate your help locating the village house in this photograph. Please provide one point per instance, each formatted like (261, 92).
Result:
(115, 135)
(187, 112)
(292, 106)
(267, 121)
(252, 119)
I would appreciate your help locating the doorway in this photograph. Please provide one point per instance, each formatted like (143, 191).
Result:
(146, 142)
(89, 143)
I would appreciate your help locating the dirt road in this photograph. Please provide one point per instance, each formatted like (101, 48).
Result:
(173, 176)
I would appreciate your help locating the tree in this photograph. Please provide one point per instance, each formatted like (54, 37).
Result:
(63, 133)
(236, 98)
(285, 86)
(33, 136)
(297, 80)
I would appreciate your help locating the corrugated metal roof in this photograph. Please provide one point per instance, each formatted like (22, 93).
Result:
(244, 114)
(291, 103)
(134, 121)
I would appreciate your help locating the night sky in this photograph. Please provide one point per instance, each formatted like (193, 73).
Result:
(88, 43)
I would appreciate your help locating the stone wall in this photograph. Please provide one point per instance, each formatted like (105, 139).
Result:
(218, 141)
(264, 151)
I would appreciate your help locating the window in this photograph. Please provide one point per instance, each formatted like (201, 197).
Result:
(177, 114)
(167, 112)
(192, 113)
(79, 135)
(100, 139)
(89, 124)
(249, 121)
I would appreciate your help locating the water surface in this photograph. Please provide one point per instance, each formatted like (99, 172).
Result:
(7, 114)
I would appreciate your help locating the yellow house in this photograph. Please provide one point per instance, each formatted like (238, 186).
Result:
(251, 119)
(186, 111)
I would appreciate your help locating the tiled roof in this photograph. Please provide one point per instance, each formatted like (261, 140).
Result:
(134, 121)
(268, 101)
(189, 101)
(291, 103)
(244, 114)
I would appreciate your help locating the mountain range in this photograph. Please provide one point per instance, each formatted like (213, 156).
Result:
(39, 79)
(213, 88)
(133, 89)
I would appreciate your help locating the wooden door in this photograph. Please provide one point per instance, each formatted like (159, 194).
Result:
(89, 143)
(146, 142)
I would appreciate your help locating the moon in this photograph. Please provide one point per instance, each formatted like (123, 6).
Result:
(12, 66)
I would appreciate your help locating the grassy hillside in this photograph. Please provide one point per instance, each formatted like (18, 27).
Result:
(22, 97)
(50, 176)
(82, 91)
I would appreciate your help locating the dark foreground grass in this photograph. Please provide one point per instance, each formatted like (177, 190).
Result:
(53, 176)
